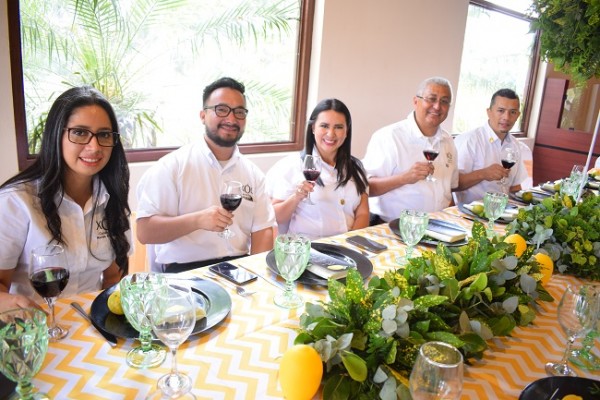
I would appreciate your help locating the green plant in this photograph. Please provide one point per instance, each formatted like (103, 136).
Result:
(369, 337)
(570, 35)
(568, 232)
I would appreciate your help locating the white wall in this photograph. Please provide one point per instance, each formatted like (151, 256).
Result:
(370, 54)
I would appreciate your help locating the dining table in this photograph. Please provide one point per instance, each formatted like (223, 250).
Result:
(239, 357)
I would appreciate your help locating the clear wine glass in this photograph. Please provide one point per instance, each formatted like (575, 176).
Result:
(137, 294)
(292, 253)
(431, 152)
(49, 275)
(172, 323)
(494, 204)
(583, 357)
(437, 373)
(23, 346)
(508, 158)
(231, 198)
(311, 168)
(413, 225)
(571, 185)
(577, 315)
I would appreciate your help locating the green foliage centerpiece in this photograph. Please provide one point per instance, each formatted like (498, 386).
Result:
(369, 337)
(569, 232)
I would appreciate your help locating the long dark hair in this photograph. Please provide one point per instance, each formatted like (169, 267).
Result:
(49, 168)
(348, 167)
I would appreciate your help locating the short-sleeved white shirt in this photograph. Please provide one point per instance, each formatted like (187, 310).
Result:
(393, 150)
(189, 180)
(334, 209)
(24, 228)
(481, 148)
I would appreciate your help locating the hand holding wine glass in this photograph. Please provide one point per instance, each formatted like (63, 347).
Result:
(231, 198)
(494, 204)
(292, 253)
(508, 158)
(577, 315)
(311, 168)
(23, 347)
(172, 322)
(49, 275)
(413, 225)
(437, 373)
(431, 152)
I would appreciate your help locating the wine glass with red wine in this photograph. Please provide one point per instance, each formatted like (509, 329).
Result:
(49, 275)
(231, 198)
(508, 158)
(311, 168)
(431, 152)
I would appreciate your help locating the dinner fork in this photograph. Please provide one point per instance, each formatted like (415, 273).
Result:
(238, 289)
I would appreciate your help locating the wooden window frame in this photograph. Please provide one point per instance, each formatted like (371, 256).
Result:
(299, 101)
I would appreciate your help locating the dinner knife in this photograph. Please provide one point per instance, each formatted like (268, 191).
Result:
(366, 244)
(110, 338)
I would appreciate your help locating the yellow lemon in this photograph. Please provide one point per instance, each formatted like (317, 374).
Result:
(114, 303)
(527, 197)
(200, 313)
(300, 372)
(572, 397)
(546, 266)
(518, 241)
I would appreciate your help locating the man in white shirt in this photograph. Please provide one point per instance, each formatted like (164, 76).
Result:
(396, 164)
(480, 152)
(178, 198)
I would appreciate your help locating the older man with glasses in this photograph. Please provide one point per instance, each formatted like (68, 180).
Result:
(179, 208)
(397, 157)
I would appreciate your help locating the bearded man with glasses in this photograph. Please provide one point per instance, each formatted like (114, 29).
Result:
(179, 209)
(396, 162)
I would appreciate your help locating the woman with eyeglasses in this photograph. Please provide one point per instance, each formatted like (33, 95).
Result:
(73, 195)
(339, 200)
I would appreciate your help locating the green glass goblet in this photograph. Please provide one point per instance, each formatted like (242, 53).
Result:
(413, 225)
(494, 204)
(583, 357)
(23, 346)
(292, 253)
(137, 295)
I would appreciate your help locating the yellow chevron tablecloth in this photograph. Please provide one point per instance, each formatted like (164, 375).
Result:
(238, 359)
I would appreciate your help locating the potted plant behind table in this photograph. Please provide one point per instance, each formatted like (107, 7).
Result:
(369, 337)
(567, 231)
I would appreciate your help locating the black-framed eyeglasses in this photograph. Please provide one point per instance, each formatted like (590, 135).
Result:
(223, 110)
(433, 100)
(84, 136)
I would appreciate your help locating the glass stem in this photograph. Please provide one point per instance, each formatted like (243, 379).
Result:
(174, 361)
(490, 228)
(565, 359)
(409, 251)
(145, 338)
(25, 389)
(588, 342)
(50, 302)
(289, 288)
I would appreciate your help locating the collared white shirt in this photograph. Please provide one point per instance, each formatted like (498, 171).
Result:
(481, 148)
(189, 180)
(393, 150)
(334, 209)
(24, 228)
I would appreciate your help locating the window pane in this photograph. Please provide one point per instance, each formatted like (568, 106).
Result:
(497, 54)
(153, 58)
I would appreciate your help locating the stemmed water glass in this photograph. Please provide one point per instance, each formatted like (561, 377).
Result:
(571, 185)
(494, 204)
(431, 152)
(172, 322)
(577, 315)
(437, 373)
(292, 253)
(583, 356)
(508, 158)
(49, 275)
(23, 346)
(137, 298)
(413, 225)
(311, 168)
(231, 198)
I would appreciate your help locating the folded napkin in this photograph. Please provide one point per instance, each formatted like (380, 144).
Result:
(508, 215)
(327, 266)
(445, 232)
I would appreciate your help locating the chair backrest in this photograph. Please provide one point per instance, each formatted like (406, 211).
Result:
(527, 157)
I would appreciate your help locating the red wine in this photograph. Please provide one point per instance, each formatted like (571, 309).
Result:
(231, 202)
(430, 155)
(507, 164)
(50, 282)
(311, 175)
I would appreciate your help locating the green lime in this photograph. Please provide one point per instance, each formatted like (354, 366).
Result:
(527, 197)
(478, 209)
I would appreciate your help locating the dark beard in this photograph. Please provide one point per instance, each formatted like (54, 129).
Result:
(219, 141)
